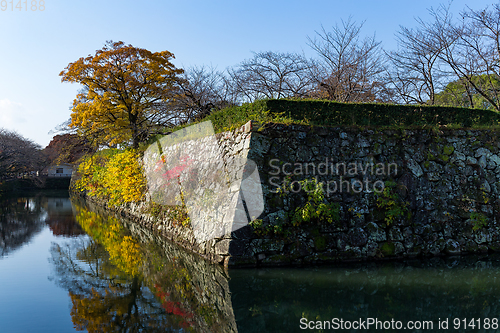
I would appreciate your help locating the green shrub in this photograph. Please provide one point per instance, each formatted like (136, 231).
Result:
(389, 201)
(372, 114)
(330, 113)
(478, 220)
(316, 210)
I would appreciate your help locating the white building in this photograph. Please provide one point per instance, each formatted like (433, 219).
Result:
(62, 170)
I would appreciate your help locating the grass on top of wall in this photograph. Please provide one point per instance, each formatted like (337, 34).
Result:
(361, 115)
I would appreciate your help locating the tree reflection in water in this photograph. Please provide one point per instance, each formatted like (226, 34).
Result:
(118, 284)
(104, 298)
(22, 217)
(121, 277)
(20, 220)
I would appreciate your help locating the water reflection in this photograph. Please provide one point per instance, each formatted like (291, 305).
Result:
(123, 282)
(103, 298)
(274, 300)
(60, 218)
(21, 218)
(118, 276)
(201, 297)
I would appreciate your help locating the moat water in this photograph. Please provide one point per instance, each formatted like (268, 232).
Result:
(68, 267)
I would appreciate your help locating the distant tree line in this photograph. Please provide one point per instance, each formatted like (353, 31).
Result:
(20, 156)
(441, 61)
(17, 154)
(131, 94)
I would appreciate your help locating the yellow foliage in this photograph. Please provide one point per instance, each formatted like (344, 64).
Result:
(124, 251)
(124, 179)
(125, 87)
(118, 178)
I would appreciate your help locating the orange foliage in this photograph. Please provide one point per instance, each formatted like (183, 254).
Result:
(125, 88)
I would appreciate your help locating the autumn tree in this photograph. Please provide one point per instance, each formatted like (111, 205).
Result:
(66, 148)
(126, 90)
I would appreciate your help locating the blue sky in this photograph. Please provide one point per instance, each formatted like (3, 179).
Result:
(35, 46)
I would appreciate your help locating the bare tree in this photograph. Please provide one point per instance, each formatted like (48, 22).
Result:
(469, 50)
(272, 75)
(415, 74)
(479, 49)
(18, 154)
(349, 68)
(202, 90)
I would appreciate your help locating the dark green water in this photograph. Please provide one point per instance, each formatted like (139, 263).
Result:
(67, 267)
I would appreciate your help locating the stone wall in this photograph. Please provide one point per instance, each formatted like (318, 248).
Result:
(209, 154)
(446, 186)
(390, 193)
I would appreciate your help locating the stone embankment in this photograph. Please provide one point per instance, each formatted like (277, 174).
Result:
(388, 193)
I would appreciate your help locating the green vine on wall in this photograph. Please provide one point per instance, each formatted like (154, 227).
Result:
(471, 202)
(389, 201)
(478, 220)
(316, 209)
